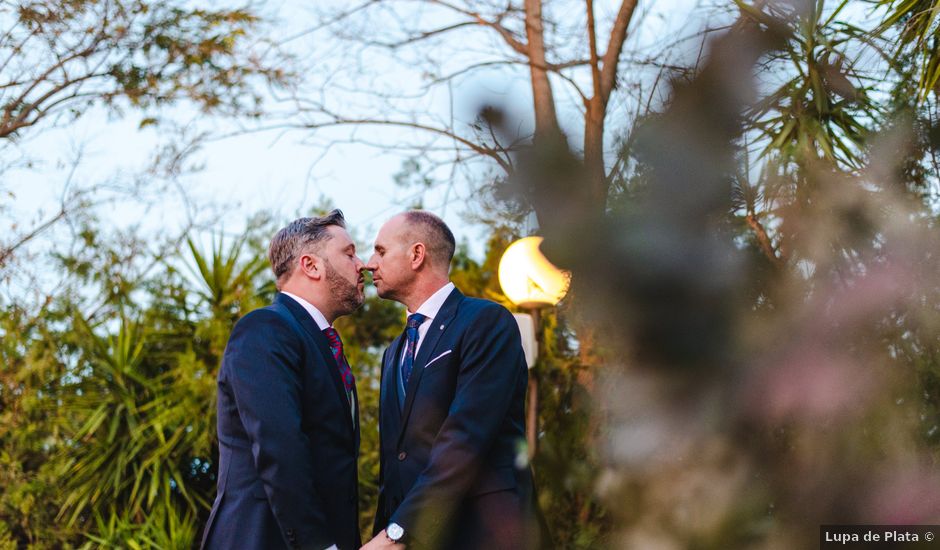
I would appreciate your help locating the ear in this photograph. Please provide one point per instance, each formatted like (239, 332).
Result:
(418, 255)
(312, 266)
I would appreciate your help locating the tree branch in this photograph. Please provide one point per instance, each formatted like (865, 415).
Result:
(7, 252)
(592, 48)
(337, 121)
(505, 33)
(476, 147)
(8, 125)
(614, 46)
(763, 240)
(421, 36)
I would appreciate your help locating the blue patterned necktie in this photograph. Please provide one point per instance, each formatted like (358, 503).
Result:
(411, 333)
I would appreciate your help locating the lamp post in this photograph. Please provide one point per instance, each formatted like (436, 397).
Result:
(531, 282)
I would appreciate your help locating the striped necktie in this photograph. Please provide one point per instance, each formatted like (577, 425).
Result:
(411, 334)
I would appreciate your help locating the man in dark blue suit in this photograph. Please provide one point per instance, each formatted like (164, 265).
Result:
(453, 468)
(288, 421)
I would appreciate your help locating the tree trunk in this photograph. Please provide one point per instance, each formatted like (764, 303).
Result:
(596, 194)
(546, 122)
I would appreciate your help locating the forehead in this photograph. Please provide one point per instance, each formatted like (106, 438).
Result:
(391, 230)
(339, 236)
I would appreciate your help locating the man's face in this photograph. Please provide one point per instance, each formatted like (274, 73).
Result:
(391, 262)
(343, 270)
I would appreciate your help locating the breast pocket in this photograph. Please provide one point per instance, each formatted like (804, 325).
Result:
(439, 360)
(442, 366)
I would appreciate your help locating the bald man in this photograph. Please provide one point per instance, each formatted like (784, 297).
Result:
(452, 404)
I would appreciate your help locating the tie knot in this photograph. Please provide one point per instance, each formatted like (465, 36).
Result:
(415, 320)
(333, 336)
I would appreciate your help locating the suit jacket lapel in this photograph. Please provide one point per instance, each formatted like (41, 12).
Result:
(438, 325)
(323, 345)
(389, 395)
(394, 362)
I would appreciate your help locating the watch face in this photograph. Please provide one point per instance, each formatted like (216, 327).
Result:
(394, 531)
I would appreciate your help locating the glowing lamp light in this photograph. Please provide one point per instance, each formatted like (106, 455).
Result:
(531, 282)
(528, 278)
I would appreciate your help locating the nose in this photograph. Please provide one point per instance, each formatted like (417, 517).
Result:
(372, 265)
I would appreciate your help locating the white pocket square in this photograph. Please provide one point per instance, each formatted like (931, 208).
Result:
(438, 357)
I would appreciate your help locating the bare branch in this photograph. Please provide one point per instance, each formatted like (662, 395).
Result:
(614, 46)
(10, 125)
(6, 253)
(11, 106)
(476, 147)
(422, 36)
(68, 204)
(592, 49)
(505, 33)
(331, 21)
(16, 50)
(339, 121)
(554, 68)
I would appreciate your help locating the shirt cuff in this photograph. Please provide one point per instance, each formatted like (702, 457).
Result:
(331, 547)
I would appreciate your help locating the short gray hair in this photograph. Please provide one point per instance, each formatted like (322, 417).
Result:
(298, 237)
(434, 233)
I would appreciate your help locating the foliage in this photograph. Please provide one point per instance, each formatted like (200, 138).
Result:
(746, 404)
(108, 437)
(122, 389)
(61, 57)
(917, 38)
(751, 345)
(823, 108)
(63, 60)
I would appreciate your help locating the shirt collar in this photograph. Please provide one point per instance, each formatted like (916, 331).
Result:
(318, 317)
(432, 305)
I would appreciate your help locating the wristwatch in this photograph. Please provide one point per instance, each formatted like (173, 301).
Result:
(394, 532)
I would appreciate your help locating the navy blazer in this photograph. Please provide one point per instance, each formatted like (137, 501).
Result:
(449, 453)
(288, 443)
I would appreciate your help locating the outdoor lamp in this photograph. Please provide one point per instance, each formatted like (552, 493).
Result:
(528, 278)
(531, 282)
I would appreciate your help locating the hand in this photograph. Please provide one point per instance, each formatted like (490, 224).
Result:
(381, 541)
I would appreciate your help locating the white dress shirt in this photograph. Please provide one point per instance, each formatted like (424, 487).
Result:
(430, 308)
(318, 317)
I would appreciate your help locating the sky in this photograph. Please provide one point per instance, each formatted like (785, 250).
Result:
(289, 173)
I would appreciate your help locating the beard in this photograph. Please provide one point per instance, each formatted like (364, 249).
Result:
(345, 293)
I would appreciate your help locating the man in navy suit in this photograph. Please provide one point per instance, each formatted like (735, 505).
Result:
(453, 469)
(288, 421)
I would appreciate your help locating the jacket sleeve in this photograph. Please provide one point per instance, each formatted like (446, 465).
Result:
(264, 358)
(491, 363)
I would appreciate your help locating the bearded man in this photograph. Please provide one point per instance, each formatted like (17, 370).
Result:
(288, 421)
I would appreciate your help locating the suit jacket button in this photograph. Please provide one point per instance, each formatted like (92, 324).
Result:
(402, 455)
